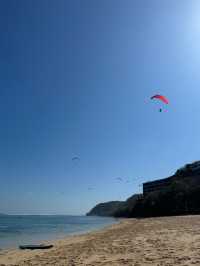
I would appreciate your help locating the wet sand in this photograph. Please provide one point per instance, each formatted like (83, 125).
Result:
(166, 241)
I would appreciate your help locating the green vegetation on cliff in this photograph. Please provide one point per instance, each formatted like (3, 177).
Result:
(115, 208)
(105, 209)
(181, 197)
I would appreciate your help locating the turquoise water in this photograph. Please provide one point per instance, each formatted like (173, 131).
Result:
(17, 230)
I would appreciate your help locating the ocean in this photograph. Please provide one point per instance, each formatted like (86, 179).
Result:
(18, 230)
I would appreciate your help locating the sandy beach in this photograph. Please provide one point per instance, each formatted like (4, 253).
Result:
(155, 241)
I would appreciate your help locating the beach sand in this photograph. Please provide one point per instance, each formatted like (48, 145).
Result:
(165, 241)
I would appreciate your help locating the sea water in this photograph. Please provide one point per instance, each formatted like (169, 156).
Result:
(18, 230)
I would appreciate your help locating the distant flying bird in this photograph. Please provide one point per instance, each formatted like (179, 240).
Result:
(90, 188)
(75, 158)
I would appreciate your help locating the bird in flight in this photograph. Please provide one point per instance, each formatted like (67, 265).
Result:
(76, 158)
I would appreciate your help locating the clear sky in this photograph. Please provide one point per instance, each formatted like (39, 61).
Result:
(76, 79)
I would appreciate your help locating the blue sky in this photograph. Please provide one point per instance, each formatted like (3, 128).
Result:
(76, 79)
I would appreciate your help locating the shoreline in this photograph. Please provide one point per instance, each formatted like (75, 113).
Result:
(140, 242)
(8, 256)
(30, 238)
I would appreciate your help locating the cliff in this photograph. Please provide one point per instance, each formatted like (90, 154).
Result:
(105, 209)
(176, 195)
(115, 208)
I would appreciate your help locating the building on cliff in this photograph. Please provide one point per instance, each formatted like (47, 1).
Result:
(191, 172)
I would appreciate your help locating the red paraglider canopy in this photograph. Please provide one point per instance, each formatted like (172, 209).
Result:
(160, 97)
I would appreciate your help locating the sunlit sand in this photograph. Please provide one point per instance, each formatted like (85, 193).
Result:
(154, 241)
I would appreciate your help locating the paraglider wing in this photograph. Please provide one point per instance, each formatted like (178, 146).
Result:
(160, 97)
